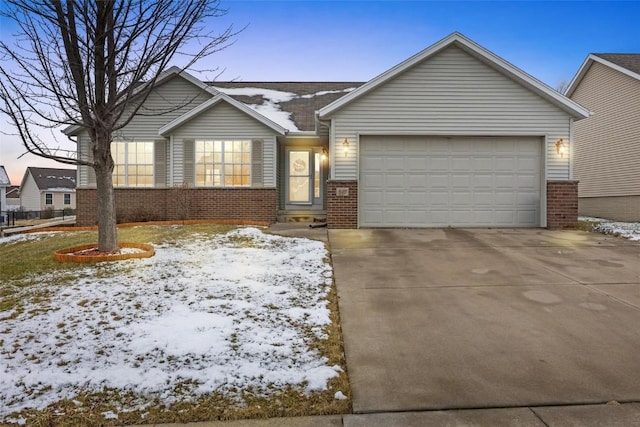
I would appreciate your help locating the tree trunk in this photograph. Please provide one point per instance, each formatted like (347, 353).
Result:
(107, 231)
(103, 166)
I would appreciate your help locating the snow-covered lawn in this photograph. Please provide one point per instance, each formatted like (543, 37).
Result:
(219, 313)
(630, 230)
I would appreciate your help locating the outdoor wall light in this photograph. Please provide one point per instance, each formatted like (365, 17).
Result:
(345, 147)
(561, 149)
(324, 154)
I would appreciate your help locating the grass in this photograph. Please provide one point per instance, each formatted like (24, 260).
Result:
(26, 262)
(587, 225)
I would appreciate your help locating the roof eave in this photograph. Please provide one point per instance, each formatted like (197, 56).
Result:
(588, 62)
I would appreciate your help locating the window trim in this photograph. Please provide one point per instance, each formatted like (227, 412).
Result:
(249, 164)
(64, 198)
(126, 164)
(47, 196)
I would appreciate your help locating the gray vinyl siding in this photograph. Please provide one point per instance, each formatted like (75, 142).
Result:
(451, 93)
(86, 174)
(607, 144)
(224, 121)
(167, 102)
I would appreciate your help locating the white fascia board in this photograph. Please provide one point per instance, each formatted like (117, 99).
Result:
(476, 50)
(587, 64)
(219, 97)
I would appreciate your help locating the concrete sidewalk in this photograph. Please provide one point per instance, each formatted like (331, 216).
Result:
(607, 415)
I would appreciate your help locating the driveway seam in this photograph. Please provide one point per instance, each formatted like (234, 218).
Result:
(621, 301)
(535, 414)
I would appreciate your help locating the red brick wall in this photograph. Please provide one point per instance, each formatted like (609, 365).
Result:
(342, 210)
(562, 204)
(159, 204)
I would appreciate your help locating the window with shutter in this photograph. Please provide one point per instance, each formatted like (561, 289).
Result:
(160, 163)
(257, 163)
(189, 161)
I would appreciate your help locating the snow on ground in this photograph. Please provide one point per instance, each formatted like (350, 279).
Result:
(213, 314)
(630, 230)
(23, 237)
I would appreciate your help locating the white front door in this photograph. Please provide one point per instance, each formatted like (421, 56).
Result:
(304, 186)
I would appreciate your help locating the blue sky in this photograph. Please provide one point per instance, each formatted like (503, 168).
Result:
(357, 40)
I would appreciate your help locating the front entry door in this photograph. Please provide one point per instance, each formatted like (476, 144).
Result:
(304, 184)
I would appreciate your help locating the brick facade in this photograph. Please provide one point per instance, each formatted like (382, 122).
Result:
(342, 204)
(562, 204)
(160, 204)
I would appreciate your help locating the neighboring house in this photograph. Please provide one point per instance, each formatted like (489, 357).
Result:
(4, 184)
(607, 145)
(13, 198)
(48, 188)
(453, 136)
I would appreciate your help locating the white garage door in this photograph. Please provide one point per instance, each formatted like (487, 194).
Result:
(449, 181)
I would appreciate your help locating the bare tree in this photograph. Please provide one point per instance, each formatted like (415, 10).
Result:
(562, 86)
(91, 64)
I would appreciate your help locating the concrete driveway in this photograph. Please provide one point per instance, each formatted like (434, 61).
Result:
(477, 318)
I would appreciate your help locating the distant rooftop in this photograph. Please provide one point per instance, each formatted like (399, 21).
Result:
(51, 178)
(4, 178)
(292, 105)
(630, 61)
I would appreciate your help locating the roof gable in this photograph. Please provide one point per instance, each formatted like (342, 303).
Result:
(475, 50)
(625, 63)
(162, 78)
(220, 97)
(51, 178)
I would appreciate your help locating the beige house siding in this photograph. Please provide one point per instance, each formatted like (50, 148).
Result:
(30, 195)
(451, 93)
(619, 208)
(224, 121)
(607, 145)
(58, 200)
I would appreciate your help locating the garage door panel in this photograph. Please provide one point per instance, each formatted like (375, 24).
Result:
(394, 181)
(417, 180)
(438, 199)
(503, 180)
(395, 216)
(450, 181)
(372, 198)
(394, 198)
(417, 164)
(482, 181)
(462, 164)
(504, 163)
(483, 164)
(416, 199)
(438, 163)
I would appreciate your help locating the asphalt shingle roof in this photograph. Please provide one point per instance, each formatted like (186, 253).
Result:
(630, 61)
(4, 178)
(50, 178)
(300, 99)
